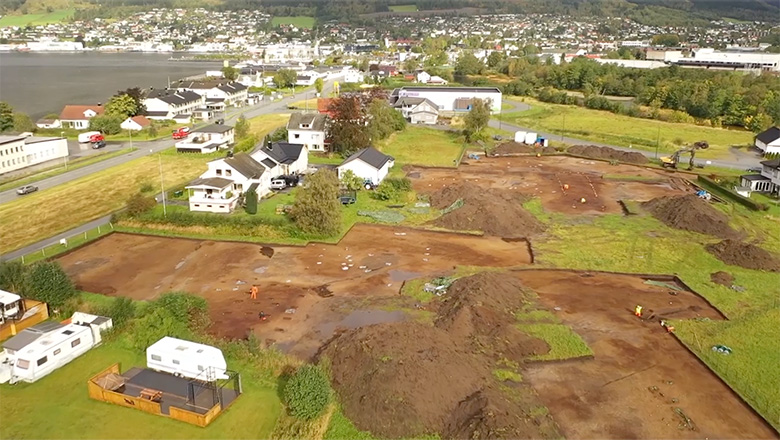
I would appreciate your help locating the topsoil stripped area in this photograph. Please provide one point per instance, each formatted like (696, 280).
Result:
(560, 182)
(369, 262)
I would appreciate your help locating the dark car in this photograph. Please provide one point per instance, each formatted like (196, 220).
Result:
(27, 189)
(98, 144)
(754, 170)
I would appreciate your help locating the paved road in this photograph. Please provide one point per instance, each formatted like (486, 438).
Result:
(56, 239)
(739, 160)
(150, 147)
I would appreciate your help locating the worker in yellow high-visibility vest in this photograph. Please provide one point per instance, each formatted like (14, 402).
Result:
(638, 311)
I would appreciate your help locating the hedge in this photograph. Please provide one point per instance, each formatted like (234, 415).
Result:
(713, 187)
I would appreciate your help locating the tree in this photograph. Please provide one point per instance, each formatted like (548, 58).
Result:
(12, 276)
(22, 122)
(476, 120)
(121, 311)
(139, 204)
(383, 120)
(107, 124)
(667, 40)
(121, 106)
(138, 96)
(319, 84)
(6, 116)
(317, 209)
(251, 202)
(494, 59)
(242, 127)
(230, 73)
(411, 64)
(285, 78)
(348, 122)
(468, 64)
(351, 181)
(47, 282)
(307, 392)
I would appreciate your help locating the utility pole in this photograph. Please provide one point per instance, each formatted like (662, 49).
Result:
(130, 132)
(162, 186)
(563, 127)
(657, 141)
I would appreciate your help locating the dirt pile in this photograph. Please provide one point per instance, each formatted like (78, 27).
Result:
(608, 153)
(722, 278)
(490, 210)
(690, 213)
(518, 148)
(745, 255)
(478, 309)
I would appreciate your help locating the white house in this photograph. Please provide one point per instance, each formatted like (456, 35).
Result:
(451, 99)
(48, 123)
(37, 351)
(423, 77)
(283, 158)
(78, 116)
(229, 92)
(218, 189)
(368, 164)
(768, 141)
(307, 129)
(418, 110)
(353, 76)
(437, 81)
(17, 152)
(207, 139)
(187, 359)
(135, 123)
(172, 104)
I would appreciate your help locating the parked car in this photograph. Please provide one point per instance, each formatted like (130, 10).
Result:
(754, 170)
(348, 197)
(291, 180)
(27, 189)
(98, 144)
(278, 184)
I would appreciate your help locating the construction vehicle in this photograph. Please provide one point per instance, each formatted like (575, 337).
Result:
(181, 133)
(674, 159)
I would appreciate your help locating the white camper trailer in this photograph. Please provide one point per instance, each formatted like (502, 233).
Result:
(10, 306)
(519, 137)
(42, 348)
(186, 358)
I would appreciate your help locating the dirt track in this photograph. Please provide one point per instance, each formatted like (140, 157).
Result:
(377, 260)
(613, 394)
(545, 178)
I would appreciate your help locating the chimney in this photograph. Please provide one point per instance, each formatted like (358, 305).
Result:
(270, 146)
(100, 104)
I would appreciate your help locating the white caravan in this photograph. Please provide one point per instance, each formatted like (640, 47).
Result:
(42, 348)
(10, 306)
(186, 358)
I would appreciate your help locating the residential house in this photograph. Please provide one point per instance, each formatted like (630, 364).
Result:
(437, 81)
(232, 94)
(386, 70)
(135, 123)
(207, 139)
(451, 99)
(17, 152)
(418, 110)
(369, 164)
(283, 158)
(78, 116)
(353, 76)
(307, 129)
(181, 106)
(218, 189)
(48, 123)
(423, 77)
(305, 79)
(768, 141)
(768, 181)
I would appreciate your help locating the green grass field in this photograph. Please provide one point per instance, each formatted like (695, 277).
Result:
(36, 19)
(57, 406)
(404, 8)
(620, 130)
(266, 124)
(423, 146)
(300, 21)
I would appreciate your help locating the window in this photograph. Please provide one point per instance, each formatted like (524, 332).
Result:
(67, 332)
(219, 172)
(200, 368)
(208, 206)
(175, 362)
(42, 361)
(228, 172)
(197, 205)
(156, 357)
(23, 364)
(297, 136)
(75, 342)
(57, 351)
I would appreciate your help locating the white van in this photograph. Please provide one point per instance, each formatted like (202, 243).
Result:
(186, 358)
(278, 184)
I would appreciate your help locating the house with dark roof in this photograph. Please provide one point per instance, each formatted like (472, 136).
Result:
(283, 158)
(308, 129)
(369, 164)
(451, 99)
(218, 189)
(417, 110)
(207, 139)
(180, 106)
(768, 141)
(230, 93)
(78, 116)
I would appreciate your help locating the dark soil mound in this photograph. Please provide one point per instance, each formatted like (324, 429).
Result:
(402, 379)
(722, 278)
(492, 211)
(479, 309)
(608, 153)
(488, 414)
(518, 148)
(690, 213)
(745, 255)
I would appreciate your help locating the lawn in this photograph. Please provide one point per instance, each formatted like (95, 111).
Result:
(266, 124)
(423, 146)
(404, 8)
(620, 130)
(299, 21)
(69, 205)
(563, 341)
(36, 19)
(304, 104)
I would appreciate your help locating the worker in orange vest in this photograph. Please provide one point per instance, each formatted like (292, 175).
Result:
(253, 292)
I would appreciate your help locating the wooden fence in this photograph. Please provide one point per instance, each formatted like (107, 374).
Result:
(11, 328)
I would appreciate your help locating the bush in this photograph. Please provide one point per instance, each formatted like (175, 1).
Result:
(251, 202)
(351, 181)
(12, 275)
(121, 311)
(317, 209)
(392, 188)
(147, 188)
(46, 281)
(246, 144)
(307, 392)
(175, 314)
(138, 204)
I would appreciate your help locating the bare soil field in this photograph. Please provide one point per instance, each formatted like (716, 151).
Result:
(294, 282)
(560, 182)
(640, 375)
